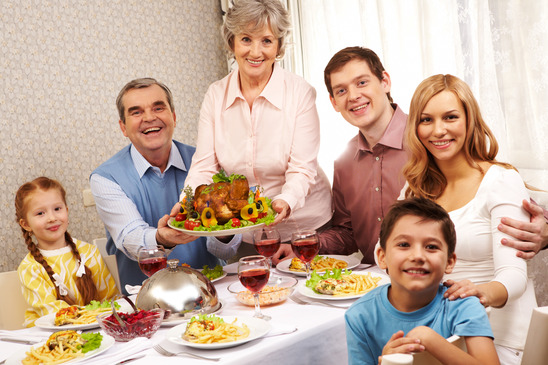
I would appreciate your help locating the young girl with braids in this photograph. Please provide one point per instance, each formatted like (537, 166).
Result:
(58, 271)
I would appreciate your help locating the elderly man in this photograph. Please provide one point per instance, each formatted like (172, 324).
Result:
(136, 187)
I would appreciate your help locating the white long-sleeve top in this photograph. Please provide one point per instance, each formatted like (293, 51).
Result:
(482, 258)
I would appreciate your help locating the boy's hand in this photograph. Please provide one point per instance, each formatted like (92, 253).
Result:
(463, 289)
(398, 344)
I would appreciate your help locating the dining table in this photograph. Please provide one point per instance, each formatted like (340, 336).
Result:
(303, 331)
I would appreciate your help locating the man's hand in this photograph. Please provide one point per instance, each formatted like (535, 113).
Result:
(169, 237)
(284, 252)
(175, 210)
(530, 237)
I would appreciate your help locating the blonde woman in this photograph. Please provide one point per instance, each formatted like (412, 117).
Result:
(453, 162)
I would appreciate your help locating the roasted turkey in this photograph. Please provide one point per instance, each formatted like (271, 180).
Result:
(225, 198)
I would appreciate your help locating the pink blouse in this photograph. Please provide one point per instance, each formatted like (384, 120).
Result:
(274, 144)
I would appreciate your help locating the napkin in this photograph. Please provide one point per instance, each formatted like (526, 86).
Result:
(14, 334)
(7, 349)
(133, 289)
(120, 351)
(281, 329)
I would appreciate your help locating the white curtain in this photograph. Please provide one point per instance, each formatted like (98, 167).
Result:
(499, 47)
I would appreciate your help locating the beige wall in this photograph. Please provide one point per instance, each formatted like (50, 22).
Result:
(62, 64)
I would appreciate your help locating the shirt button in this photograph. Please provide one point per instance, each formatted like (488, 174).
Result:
(379, 219)
(377, 158)
(377, 189)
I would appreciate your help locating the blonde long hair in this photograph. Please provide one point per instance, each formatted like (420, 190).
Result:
(85, 283)
(423, 175)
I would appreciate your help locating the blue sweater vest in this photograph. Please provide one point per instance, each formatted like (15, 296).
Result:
(154, 197)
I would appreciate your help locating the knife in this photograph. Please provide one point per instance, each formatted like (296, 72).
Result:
(17, 340)
(130, 359)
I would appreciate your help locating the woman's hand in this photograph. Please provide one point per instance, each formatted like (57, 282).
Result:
(282, 208)
(463, 289)
(491, 294)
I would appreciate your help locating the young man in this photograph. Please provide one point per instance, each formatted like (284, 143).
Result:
(136, 188)
(417, 243)
(367, 178)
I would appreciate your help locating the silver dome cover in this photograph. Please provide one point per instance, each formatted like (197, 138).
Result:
(180, 290)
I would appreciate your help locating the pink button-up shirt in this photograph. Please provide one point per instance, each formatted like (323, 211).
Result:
(366, 182)
(274, 144)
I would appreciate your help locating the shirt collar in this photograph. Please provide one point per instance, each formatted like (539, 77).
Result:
(271, 92)
(142, 165)
(393, 135)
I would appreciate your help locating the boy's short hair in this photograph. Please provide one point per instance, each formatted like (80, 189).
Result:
(341, 58)
(423, 208)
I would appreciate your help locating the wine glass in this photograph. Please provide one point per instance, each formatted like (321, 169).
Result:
(254, 272)
(305, 245)
(151, 259)
(267, 241)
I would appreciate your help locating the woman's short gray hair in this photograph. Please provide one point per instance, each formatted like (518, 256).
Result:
(252, 16)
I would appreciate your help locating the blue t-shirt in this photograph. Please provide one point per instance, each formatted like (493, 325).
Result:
(372, 320)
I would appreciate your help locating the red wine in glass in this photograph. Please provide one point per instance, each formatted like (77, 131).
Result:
(266, 241)
(254, 272)
(151, 259)
(151, 265)
(305, 245)
(306, 249)
(268, 247)
(254, 279)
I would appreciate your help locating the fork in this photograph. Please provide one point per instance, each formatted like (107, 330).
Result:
(300, 301)
(165, 352)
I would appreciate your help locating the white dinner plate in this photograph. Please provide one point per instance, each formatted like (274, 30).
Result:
(257, 329)
(47, 322)
(224, 232)
(352, 262)
(219, 278)
(307, 292)
(106, 343)
(178, 320)
(231, 269)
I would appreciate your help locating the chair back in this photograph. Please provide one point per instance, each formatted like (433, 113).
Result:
(536, 345)
(110, 260)
(14, 305)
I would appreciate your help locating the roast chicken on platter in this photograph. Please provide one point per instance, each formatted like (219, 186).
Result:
(225, 198)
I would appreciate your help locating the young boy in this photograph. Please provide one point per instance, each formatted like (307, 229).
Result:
(417, 243)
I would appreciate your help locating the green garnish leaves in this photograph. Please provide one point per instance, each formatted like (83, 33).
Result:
(93, 341)
(94, 304)
(315, 278)
(222, 176)
(207, 317)
(214, 273)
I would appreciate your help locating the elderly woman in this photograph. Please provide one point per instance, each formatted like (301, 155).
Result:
(261, 121)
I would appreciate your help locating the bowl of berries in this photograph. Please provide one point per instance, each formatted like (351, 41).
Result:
(125, 326)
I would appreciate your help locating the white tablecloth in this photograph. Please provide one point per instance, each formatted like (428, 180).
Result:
(320, 337)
